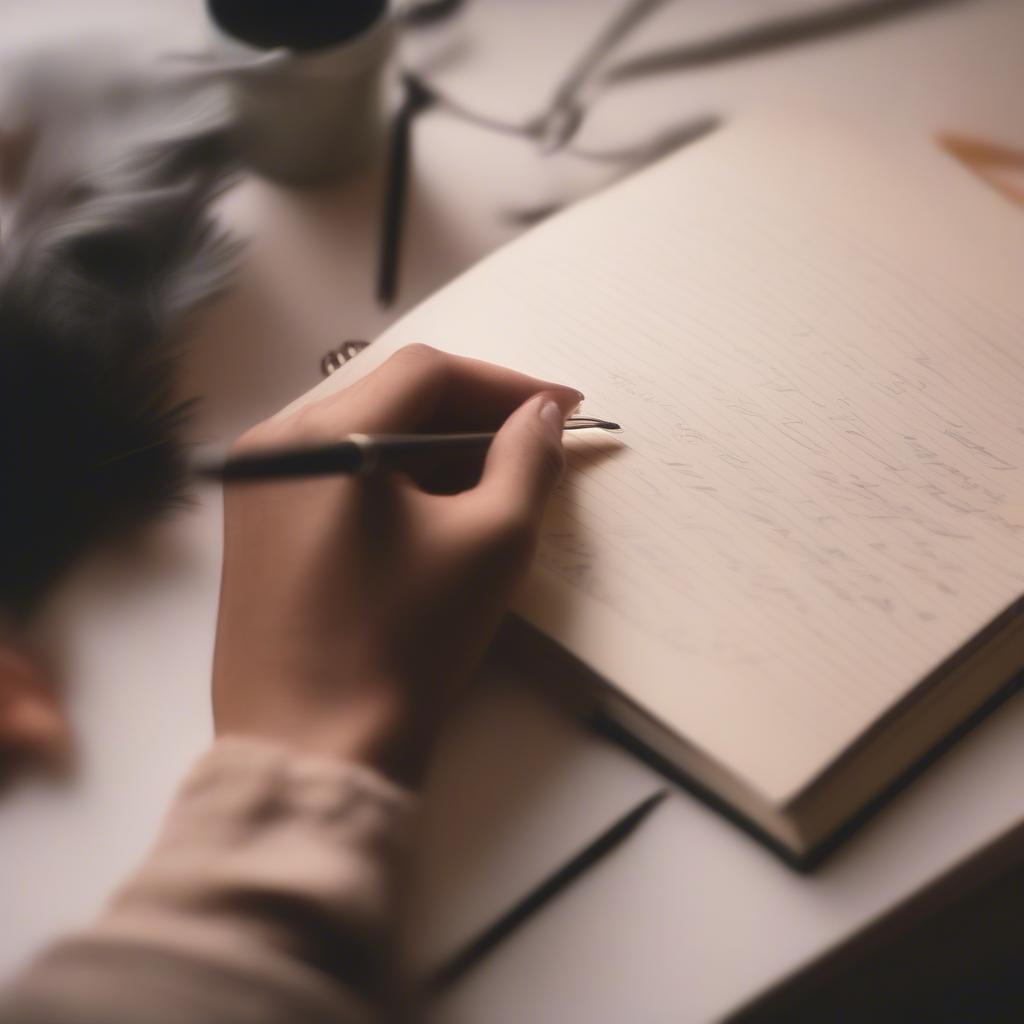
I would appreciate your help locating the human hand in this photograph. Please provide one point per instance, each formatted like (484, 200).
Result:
(33, 728)
(352, 609)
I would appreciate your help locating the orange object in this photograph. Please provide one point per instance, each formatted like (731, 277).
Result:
(1000, 166)
(32, 723)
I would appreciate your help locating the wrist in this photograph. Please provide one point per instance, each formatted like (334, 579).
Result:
(375, 727)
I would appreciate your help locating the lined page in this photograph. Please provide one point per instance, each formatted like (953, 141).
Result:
(818, 494)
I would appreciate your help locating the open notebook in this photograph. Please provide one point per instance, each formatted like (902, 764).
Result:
(800, 565)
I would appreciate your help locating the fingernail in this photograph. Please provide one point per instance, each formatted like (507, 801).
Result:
(552, 416)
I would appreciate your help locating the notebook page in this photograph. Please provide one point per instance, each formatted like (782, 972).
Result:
(818, 495)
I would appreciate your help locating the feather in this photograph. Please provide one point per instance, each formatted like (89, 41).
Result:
(108, 245)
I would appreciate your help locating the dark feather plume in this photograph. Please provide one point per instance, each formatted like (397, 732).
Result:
(96, 282)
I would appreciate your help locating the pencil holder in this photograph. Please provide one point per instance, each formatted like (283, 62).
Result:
(306, 80)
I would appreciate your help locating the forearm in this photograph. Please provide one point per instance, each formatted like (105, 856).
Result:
(267, 898)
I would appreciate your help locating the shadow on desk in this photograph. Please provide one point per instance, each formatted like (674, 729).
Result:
(963, 963)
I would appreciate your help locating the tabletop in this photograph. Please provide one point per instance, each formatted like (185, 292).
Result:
(689, 920)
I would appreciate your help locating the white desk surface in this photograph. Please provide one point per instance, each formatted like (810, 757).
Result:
(690, 919)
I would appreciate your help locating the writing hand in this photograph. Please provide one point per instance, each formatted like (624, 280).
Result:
(352, 609)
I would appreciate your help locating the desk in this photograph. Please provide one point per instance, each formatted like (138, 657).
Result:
(690, 920)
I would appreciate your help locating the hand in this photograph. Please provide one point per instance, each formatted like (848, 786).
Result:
(33, 729)
(352, 609)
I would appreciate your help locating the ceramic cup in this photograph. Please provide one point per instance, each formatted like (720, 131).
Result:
(308, 102)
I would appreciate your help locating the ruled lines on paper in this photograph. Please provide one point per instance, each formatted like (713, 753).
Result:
(819, 493)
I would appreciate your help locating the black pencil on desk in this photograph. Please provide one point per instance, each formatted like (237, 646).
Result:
(547, 890)
(358, 454)
(415, 99)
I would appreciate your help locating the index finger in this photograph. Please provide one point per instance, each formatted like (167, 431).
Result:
(420, 388)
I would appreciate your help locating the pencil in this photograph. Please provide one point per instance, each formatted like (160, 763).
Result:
(358, 454)
(607, 841)
(415, 100)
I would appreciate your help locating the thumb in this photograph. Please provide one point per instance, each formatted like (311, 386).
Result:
(525, 459)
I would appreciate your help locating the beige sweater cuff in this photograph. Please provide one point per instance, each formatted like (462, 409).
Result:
(274, 871)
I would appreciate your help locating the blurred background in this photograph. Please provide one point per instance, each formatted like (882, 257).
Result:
(491, 155)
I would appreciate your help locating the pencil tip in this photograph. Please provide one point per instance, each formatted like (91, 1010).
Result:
(654, 799)
(645, 807)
